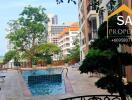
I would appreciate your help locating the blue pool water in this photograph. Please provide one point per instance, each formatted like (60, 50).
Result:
(44, 82)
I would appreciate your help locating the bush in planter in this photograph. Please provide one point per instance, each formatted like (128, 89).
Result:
(48, 60)
(34, 61)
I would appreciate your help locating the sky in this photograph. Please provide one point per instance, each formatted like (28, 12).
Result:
(10, 10)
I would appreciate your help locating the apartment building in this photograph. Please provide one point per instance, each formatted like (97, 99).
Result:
(84, 27)
(55, 30)
(67, 37)
(53, 20)
(90, 21)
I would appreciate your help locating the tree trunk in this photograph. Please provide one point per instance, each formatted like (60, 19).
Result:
(30, 62)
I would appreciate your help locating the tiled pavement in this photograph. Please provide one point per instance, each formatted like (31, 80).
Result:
(10, 89)
(81, 84)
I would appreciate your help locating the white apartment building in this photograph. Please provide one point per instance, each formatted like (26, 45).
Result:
(67, 37)
(55, 30)
(53, 20)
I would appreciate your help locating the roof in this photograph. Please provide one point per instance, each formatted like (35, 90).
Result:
(68, 30)
(75, 24)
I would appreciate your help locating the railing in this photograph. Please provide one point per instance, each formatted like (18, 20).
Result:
(66, 71)
(95, 97)
(90, 7)
(27, 64)
(20, 64)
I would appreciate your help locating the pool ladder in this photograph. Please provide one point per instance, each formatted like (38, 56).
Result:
(66, 71)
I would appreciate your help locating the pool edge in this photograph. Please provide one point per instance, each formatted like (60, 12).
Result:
(25, 90)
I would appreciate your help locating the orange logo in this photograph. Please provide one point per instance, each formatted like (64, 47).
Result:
(120, 9)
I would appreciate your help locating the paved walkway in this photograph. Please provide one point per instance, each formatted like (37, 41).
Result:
(81, 84)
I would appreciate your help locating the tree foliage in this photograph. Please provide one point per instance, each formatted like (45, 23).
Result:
(68, 1)
(98, 8)
(48, 48)
(45, 51)
(12, 54)
(28, 31)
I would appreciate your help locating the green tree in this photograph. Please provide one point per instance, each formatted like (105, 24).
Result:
(28, 31)
(45, 51)
(105, 58)
(10, 55)
(74, 53)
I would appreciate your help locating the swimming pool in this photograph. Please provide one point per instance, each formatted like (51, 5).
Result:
(44, 82)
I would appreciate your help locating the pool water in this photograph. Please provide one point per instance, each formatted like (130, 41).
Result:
(44, 82)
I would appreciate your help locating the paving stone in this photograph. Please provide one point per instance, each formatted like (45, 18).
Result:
(81, 84)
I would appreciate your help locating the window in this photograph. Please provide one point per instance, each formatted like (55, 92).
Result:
(74, 32)
(101, 17)
(53, 22)
(67, 33)
(83, 41)
(93, 33)
(94, 25)
(67, 44)
(67, 39)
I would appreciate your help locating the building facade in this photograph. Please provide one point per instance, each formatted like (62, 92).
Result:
(55, 30)
(84, 27)
(90, 20)
(89, 23)
(69, 30)
(67, 38)
(53, 20)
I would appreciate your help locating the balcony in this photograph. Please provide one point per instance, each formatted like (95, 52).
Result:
(91, 12)
(93, 26)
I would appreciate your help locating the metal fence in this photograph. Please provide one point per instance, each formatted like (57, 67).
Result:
(27, 64)
(95, 97)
